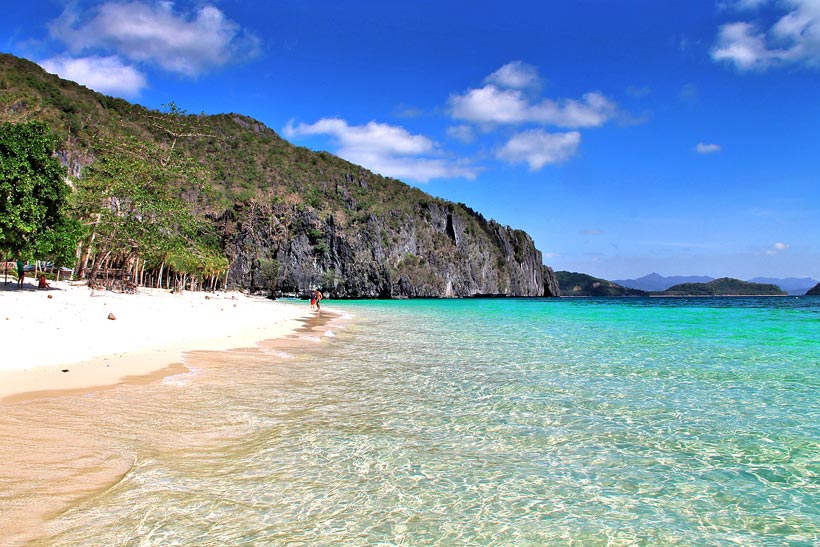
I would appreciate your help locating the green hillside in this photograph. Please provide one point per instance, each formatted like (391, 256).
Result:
(580, 284)
(725, 286)
(281, 216)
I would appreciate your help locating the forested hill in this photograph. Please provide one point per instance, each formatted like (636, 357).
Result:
(282, 216)
(725, 286)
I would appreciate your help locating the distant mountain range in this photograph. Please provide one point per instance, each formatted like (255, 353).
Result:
(656, 282)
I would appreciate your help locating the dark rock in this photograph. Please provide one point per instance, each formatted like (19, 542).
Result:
(438, 249)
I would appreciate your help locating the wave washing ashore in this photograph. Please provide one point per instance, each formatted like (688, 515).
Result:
(449, 423)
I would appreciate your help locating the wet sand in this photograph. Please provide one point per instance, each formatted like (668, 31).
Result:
(54, 449)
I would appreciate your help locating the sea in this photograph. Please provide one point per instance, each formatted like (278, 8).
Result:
(474, 422)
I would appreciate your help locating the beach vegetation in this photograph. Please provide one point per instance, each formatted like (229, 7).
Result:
(34, 220)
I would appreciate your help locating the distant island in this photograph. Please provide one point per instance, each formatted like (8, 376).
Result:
(814, 291)
(725, 286)
(580, 284)
(657, 283)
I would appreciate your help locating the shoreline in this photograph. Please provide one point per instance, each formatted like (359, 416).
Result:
(61, 340)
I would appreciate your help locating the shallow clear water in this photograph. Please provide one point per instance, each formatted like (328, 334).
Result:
(469, 422)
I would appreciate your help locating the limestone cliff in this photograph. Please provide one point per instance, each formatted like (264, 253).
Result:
(443, 250)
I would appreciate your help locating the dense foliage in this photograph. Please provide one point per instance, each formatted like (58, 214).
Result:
(725, 286)
(33, 195)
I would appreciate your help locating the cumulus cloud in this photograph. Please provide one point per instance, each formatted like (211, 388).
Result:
(705, 148)
(793, 39)
(379, 137)
(103, 74)
(493, 105)
(777, 248)
(386, 149)
(154, 32)
(507, 98)
(538, 148)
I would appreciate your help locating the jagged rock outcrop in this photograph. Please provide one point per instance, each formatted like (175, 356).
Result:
(551, 285)
(443, 250)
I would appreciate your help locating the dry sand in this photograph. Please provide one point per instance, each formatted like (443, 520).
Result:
(44, 333)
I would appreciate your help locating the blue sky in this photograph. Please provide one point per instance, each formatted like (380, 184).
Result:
(625, 137)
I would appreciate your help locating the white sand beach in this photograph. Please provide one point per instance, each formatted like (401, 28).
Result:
(61, 338)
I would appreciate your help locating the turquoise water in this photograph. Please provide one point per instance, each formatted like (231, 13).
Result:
(478, 422)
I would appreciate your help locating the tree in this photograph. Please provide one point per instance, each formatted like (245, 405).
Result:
(33, 194)
(141, 201)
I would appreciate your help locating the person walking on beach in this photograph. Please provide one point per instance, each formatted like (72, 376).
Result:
(312, 299)
(318, 300)
(21, 273)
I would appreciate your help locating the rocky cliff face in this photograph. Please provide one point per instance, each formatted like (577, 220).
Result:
(443, 250)
(551, 285)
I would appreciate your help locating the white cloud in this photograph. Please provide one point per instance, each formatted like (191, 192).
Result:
(793, 39)
(515, 75)
(104, 74)
(492, 105)
(377, 137)
(153, 32)
(385, 149)
(704, 148)
(539, 148)
(777, 248)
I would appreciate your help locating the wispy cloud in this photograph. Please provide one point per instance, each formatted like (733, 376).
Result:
(793, 40)
(154, 32)
(463, 133)
(386, 149)
(777, 248)
(707, 148)
(103, 74)
(538, 148)
(515, 75)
